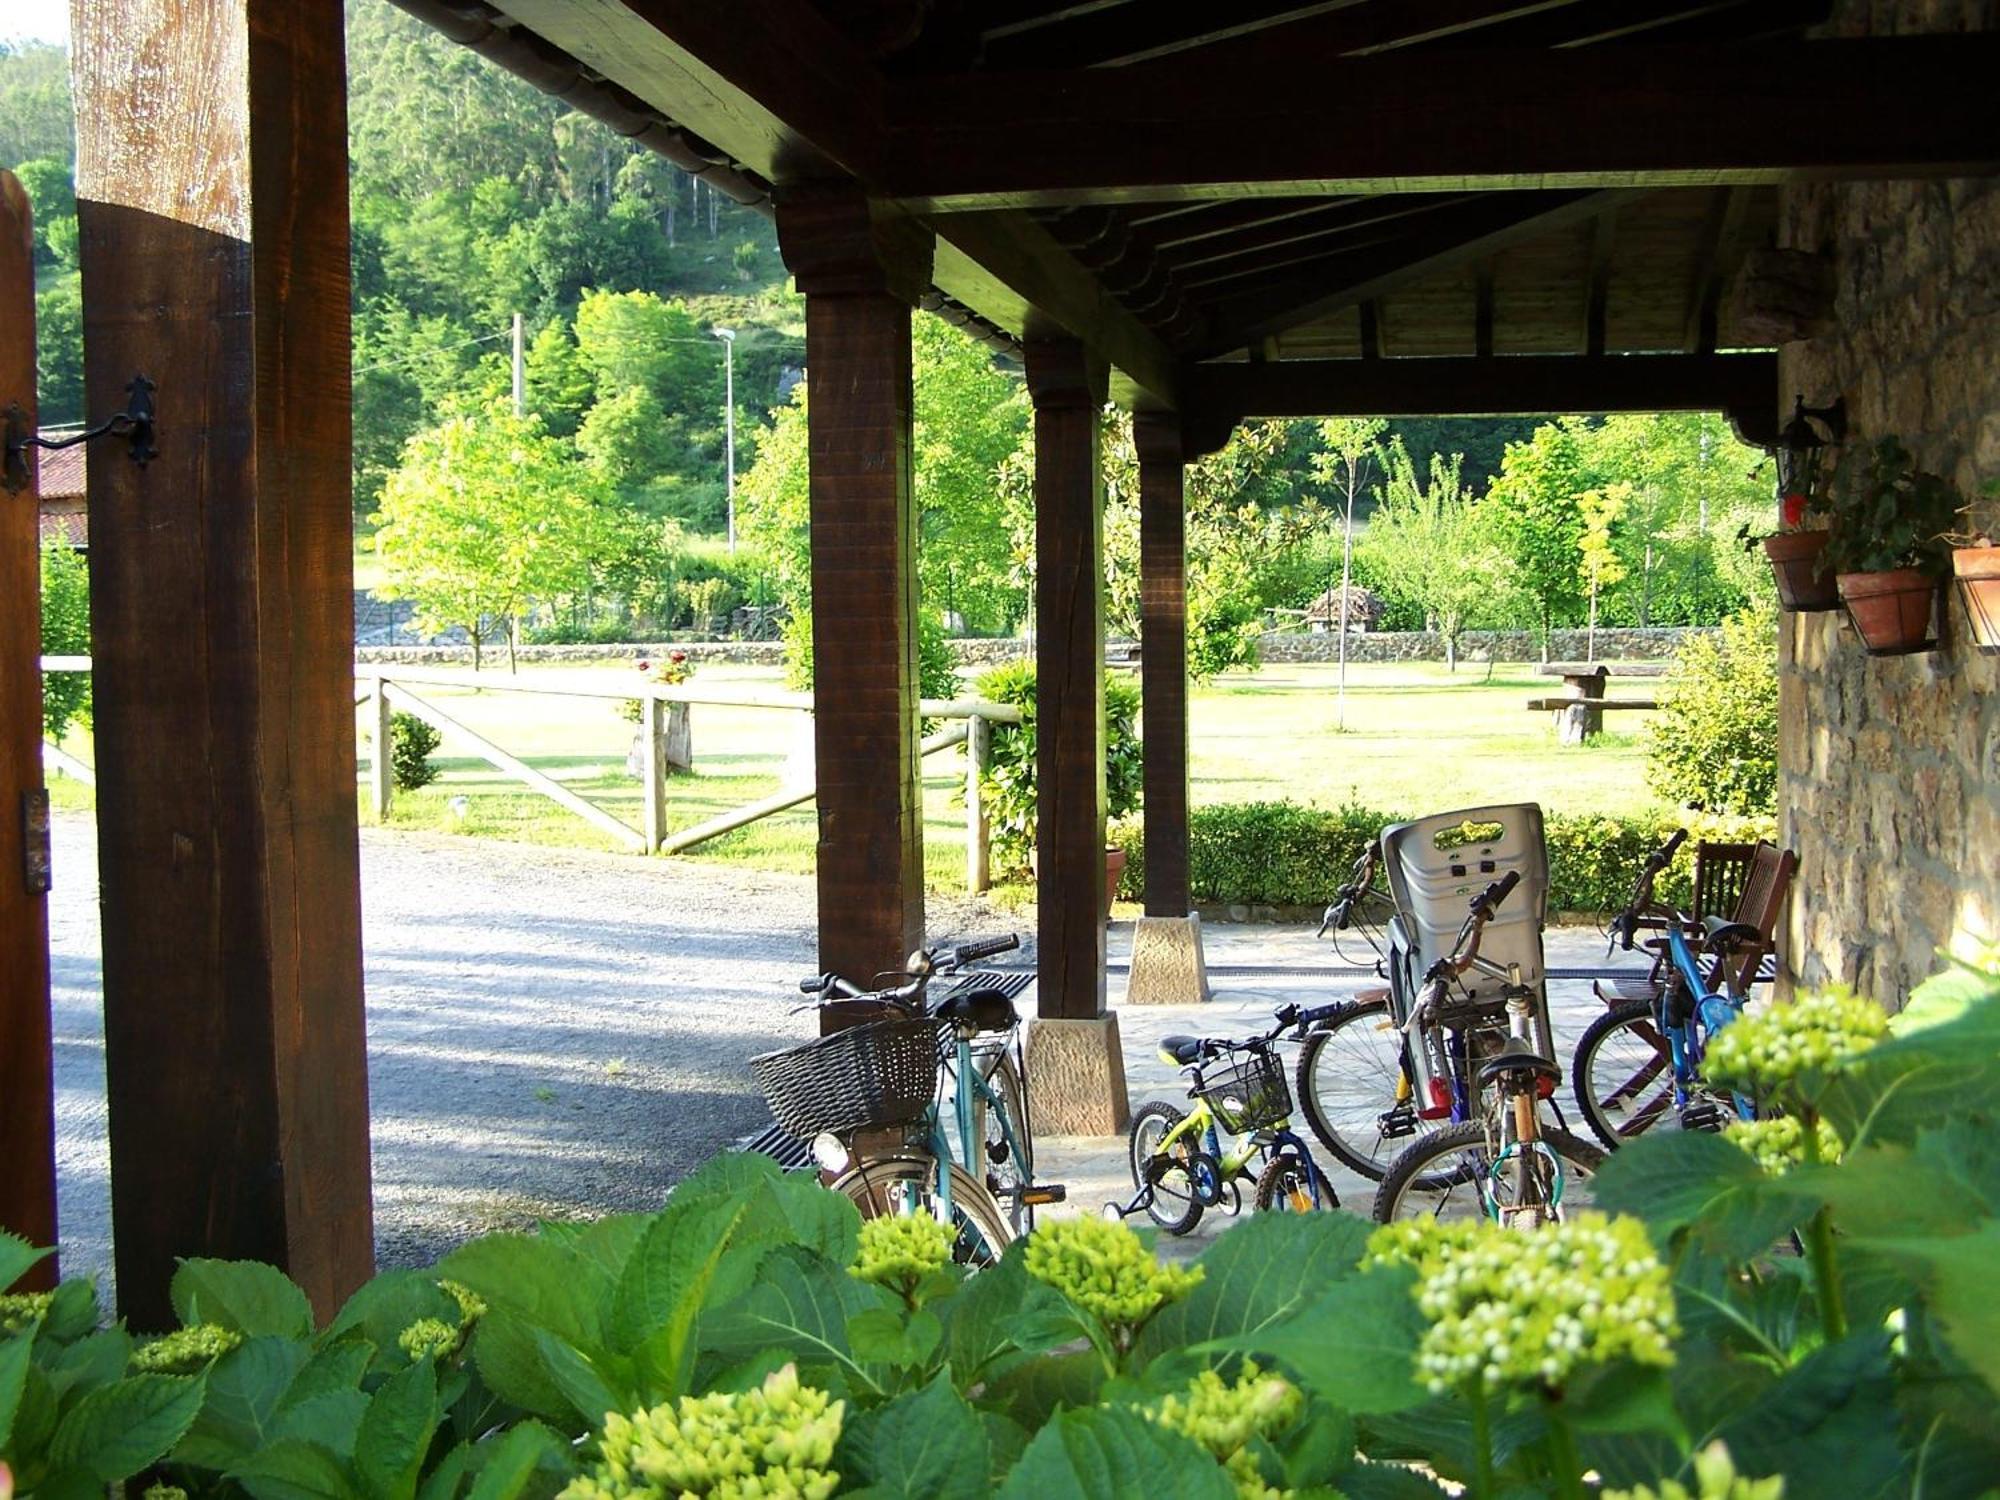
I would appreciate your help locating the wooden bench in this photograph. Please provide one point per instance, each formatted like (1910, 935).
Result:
(1580, 709)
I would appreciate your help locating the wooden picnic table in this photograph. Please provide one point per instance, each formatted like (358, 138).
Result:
(1579, 710)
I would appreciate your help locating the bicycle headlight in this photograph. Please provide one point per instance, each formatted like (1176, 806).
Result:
(829, 1151)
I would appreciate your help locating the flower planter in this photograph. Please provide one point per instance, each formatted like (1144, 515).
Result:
(1892, 611)
(1114, 871)
(1977, 570)
(1804, 582)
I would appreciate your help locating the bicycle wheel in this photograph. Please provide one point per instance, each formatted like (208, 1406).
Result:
(1449, 1175)
(1007, 1170)
(1174, 1205)
(1623, 1076)
(1347, 1077)
(1285, 1185)
(906, 1185)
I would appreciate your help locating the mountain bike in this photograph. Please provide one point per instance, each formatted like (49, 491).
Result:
(1498, 1161)
(1639, 1064)
(1185, 1162)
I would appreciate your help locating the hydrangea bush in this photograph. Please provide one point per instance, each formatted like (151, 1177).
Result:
(753, 1338)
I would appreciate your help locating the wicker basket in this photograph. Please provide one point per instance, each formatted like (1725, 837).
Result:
(1249, 1094)
(864, 1078)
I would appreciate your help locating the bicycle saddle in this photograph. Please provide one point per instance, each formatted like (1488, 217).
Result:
(982, 1010)
(1519, 1060)
(1183, 1049)
(1723, 934)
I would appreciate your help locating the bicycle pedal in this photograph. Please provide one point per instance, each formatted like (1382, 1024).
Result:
(1044, 1193)
(1397, 1123)
(1702, 1116)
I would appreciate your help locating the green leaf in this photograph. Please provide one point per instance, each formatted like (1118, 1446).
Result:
(926, 1445)
(1033, 1389)
(442, 1482)
(395, 1433)
(1942, 1063)
(507, 1466)
(95, 1360)
(1824, 1425)
(1261, 1272)
(383, 1307)
(337, 1366)
(800, 1305)
(1678, 1179)
(245, 1388)
(1956, 1275)
(13, 1379)
(1109, 1453)
(246, 1295)
(331, 1420)
(1759, 1314)
(1367, 1481)
(876, 1336)
(291, 1468)
(667, 1281)
(17, 1256)
(543, 1280)
(116, 1430)
(1354, 1345)
(72, 1311)
(578, 1379)
(507, 1352)
(1624, 1399)
(1001, 1311)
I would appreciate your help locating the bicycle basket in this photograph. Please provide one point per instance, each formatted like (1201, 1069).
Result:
(1249, 1094)
(864, 1078)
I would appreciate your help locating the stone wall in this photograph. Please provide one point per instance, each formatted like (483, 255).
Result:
(1475, 645)
(1891, 768)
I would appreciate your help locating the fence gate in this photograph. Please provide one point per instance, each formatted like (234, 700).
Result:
(27, 1082)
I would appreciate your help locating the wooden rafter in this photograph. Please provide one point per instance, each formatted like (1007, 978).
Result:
(1720, 228)
(1311, 229)
(1603, 235)
(1118, 35)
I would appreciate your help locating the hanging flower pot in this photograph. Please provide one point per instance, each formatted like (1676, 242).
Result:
(1892, 611)
(1977, 570)
(1805, 583)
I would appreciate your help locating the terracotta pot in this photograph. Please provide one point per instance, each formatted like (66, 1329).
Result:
(1804, 584)
(1114, 869)
(1977, 570)
(1891, 610)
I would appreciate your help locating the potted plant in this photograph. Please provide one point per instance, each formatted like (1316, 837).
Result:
(1888, 548)
(677, 750)
(1008, 783)
(1797, 552)
(1975, 564)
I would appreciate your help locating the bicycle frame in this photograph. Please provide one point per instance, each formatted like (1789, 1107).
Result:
(1243, 1149)
(1711, 1010)
(965, 1066)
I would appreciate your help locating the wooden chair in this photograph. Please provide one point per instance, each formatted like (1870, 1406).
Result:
(1739, 893)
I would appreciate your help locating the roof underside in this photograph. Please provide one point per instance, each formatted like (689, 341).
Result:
(1179, 182)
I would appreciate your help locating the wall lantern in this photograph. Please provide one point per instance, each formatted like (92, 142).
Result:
(1801, 455)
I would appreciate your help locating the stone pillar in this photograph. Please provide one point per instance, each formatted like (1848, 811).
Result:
(1076, 1072)
(1167, 962)
(211, 163)
(861, 272)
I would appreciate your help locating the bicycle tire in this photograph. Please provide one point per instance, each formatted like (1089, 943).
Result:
(1176, 1210)
(1005, 1177)
(1352, 1132)
(1285, 1185)
(1452, 1162)
(899, 1185)
(1623, 1078)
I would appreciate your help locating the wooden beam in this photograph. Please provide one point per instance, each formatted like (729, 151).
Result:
(1719, 231)
(1482, 307)
(211, 158)
(1294, 124)
(1068, 393)
(1603, 236)
(1371, 329)
(1508, 385)
(1118, 35)
(1310, 234)
(27, 1077)
(1163, 659)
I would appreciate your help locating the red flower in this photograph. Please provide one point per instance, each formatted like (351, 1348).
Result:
(645, 666)
(677, 656)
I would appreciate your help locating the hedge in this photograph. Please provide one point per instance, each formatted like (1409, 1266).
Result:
(1285, 854)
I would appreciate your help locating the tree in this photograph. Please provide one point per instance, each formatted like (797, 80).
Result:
(1714, 742)
(1600, 565)
(52, 206)
(35, 118)
(65, 632)
(487, 515)
(1431, 544)
(59, 350)
(1350, 443)
(1538, 523)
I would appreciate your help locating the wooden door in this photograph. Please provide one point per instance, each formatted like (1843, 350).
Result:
(27, 1095)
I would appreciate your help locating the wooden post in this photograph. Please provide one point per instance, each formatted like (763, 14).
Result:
(27, 1080)
(978, 862)
(860, 275)
(653, 769)
(382, 772)
(1163, 659)
(1068, 391)
(211, 187)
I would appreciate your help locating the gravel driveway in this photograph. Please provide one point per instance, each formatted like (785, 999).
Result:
(549, 1032)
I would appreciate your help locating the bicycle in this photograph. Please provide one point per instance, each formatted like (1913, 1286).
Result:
(1641, 1061)
(1180, 1164)
(1497, 1160)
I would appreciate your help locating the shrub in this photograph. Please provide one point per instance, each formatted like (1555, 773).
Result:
(1008, 785)
(937, 665)
(1655, 1341)
(1714, 744)
(65, 632)
(412, 742)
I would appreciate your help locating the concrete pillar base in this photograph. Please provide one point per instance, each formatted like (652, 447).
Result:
(1167, 963)
(1076, 1077)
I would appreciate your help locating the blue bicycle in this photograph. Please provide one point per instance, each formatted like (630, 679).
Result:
(1639, 1064)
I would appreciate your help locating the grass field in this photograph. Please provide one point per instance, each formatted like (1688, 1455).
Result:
(1417, 739)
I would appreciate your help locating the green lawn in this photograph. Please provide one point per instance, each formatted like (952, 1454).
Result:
(1417, 739)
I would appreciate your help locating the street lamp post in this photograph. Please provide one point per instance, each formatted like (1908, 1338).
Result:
(728, 337)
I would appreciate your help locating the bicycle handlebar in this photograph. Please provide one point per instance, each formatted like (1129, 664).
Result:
(933, 961)
(1625, 925)
(973, 952)
(1286, 1018)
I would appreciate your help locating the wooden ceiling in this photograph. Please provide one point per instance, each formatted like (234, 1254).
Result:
(1183, 183)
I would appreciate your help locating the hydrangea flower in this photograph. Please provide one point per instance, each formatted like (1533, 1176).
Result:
(471, 1306)
(19, 1310)
(1224, 1418)
(1779, 1144)
(1105, 1270)
(899, 1252)
(185, 1350)
(1766, 1052)
(1715, 1479)
(772, 1443)
(1509, 1309)
(429, 1338)
(164, 1492)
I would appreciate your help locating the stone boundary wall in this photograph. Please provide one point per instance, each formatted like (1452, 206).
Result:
(1478, 645)
(1890, 768)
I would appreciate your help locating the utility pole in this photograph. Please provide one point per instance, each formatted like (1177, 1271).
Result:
(520, 372)
(728, 337)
